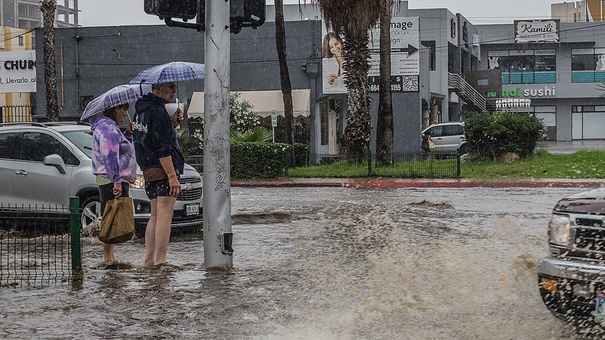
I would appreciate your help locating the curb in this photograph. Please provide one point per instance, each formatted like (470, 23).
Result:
(428, 184)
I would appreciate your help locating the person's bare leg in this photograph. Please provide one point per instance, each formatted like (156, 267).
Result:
(165, 209)
(150, 234)
(108, 254)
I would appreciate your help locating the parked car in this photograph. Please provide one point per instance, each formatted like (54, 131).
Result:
(572, 277)
(43, 164)
(446, 136)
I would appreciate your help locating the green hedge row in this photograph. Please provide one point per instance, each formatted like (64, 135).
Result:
(263, 160)
(490, 135)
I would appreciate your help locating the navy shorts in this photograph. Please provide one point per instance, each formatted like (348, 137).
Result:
(153, 189)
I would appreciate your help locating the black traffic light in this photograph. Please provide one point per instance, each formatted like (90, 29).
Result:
(246, 13)
(242, 13)
(183, 9)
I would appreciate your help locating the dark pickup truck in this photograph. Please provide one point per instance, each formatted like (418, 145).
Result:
(572, 277)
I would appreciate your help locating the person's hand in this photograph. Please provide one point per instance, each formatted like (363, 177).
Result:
(175, 186)
(117, 190)
(177, 118)
(129, 127)
(332, 78)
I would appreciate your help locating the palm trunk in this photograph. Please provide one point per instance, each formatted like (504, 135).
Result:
(48, 9)
(358, 131)
(384, 124)
(286, 86)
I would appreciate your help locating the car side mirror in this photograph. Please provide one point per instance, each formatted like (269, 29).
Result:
(56, 161)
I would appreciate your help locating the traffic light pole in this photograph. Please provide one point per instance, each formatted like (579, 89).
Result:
(218, 238)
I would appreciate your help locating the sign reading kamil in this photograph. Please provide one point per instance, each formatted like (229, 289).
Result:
(18, 71)
(536, 31)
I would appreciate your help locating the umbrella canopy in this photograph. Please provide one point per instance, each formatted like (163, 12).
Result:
(119, 95)
(170, 72)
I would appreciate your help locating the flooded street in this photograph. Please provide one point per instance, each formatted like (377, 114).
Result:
(323, 263)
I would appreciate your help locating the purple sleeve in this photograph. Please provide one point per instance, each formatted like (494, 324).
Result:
(110, 153)
(128, 136)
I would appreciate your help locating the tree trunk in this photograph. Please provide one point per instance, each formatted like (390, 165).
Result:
(384, 124)
(359, 127)
(48, 9)
(286, 86)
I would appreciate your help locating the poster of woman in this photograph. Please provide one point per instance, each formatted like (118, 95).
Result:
(332, 64)
(600, 62)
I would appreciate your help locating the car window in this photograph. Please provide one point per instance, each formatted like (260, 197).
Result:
(9, 145)
(453, 130)
(82, 139)
(35, 146)
(436, 131)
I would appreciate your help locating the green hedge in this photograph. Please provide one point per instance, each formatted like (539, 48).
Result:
(257, 160)
(490, 135)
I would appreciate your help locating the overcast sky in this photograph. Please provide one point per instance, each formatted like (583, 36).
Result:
(130, 12)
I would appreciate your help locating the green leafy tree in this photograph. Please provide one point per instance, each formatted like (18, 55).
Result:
(241, 116)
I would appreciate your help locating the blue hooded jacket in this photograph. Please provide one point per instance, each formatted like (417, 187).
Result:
(153, 134)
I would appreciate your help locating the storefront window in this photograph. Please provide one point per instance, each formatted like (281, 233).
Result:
(525, 66)
(588, 65)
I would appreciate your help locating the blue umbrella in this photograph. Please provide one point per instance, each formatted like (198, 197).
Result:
(170, 72)
(119, 95)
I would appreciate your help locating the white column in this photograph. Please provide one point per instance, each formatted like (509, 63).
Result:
(218, 253)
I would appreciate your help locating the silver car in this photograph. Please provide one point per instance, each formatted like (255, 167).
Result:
(43, 164)
(446, 136)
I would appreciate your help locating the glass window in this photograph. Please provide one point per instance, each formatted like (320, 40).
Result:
(9, 145)
(436, 131)
(83, 140)
(583, 62)
(35, 146)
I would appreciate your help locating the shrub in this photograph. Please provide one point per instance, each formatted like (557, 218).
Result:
(490, 135)
(257, 160)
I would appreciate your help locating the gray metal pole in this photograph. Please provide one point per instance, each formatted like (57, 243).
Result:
(218, 250)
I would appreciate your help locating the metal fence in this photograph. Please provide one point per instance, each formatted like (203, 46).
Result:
(405, 165)
(15, 113)
(37, 245)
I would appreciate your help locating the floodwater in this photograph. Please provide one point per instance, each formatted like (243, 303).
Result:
(322, 263)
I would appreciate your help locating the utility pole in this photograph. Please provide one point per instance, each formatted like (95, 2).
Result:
(218, 238)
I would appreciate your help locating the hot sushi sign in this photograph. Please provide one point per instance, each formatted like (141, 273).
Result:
(536, 31)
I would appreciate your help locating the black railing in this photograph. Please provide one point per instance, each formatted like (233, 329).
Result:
(39, 245)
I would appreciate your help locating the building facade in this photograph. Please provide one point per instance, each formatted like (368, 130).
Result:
(561, 73)
(26, 13)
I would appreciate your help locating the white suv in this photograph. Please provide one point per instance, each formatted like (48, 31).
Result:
(43, 164)
(446, 136)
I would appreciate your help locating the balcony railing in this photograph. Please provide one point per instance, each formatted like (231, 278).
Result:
(466, 91)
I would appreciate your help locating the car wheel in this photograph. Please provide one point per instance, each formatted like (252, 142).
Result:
(91, 211)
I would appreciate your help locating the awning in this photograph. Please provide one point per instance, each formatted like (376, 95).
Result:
(264, 102)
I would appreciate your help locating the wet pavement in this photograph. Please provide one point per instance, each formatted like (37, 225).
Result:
(563, 147)
(323, 263)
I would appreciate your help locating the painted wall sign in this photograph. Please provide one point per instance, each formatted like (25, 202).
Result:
(18, 71)
(405, 58)
(546, 91)
(537, 30)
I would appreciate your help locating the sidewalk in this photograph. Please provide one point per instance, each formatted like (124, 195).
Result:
(380, 182)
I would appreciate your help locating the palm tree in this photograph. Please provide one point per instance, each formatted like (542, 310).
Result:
(48, 9)
(384, 125)
(286, 86)
(353, 19)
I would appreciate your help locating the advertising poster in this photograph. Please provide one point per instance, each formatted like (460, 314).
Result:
(405, 59)
(18, 71)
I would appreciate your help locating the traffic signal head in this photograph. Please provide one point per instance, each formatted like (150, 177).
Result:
(183, 9)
